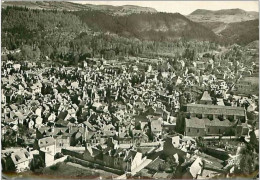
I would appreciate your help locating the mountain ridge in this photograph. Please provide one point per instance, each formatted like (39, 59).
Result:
(71, 6)
(148, 24)
(235, 11)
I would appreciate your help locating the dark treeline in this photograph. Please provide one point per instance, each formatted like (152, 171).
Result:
(71, 36)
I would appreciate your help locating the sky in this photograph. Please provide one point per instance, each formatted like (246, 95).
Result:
(183, 7)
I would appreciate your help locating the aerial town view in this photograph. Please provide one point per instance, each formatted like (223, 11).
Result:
(129, 91)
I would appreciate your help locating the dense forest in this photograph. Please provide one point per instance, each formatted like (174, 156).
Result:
(73, 36)
(147, 26)
(243, 32)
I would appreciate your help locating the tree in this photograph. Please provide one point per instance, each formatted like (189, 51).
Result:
(180, 122)
(253, 140)
(37, 54)
(27, 52)
(131, 132)
(247, 164)
(47, 50)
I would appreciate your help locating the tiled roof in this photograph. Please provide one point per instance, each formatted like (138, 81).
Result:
(202, 123)
(195, 123)
(155, 165)
(47, 141)
(214, 109)
(217, 123)
(20, 156)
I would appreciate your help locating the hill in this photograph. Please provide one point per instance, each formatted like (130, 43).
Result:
(223, 12)
(241, 32)
(70, 6)
(217, 21)
(147, 26)
(253, 45)
(231, 25)
(223, 15)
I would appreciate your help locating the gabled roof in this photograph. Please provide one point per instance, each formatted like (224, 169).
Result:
(131, 154)
(20, 156)
(155, 165)
(75, 129)
(89, 126)
(196, 167)
(47, 141)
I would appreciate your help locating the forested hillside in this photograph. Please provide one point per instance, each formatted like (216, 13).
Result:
(232, 25)
(74, 35)
(22, 25)
(70, 6)
(147, 26)
(242, 32)
(63, 35)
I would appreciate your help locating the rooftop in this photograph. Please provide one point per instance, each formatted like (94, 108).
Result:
(215, 109)
(206, 96)
(202, 123)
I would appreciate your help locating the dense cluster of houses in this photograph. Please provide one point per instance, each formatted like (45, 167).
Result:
(123, 116)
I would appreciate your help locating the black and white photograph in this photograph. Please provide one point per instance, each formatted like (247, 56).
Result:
(129, 90)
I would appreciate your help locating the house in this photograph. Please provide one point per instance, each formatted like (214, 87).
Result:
(170, 125)
(204, 127)
(47, 149)
(196, 168)
(155, 165)
(52, 117)
(172, 145)
(194, 127)
(215, 111)
(78, 135)
(31, 124)
(156, 127)
(139, 137)
(62, 141)
(36, 89)
(93, 154)
(38, 122)
(3, 97)
(124, 138)
(133, 159)
(18, 161)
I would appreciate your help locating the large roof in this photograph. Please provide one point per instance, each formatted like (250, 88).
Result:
(215, 109)
(195, 123)
(202, 123)
(20, 156)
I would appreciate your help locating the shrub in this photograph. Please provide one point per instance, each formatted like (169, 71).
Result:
(55, 167)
